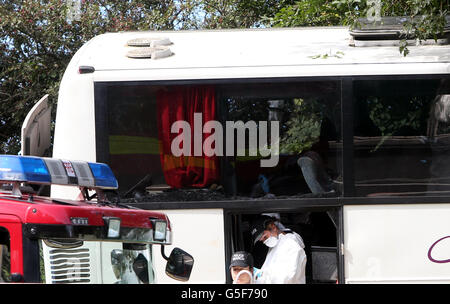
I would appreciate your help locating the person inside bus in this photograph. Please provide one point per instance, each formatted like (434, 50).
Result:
(241, 267)
(285, 262)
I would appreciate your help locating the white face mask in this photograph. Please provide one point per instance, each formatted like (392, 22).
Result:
(271, 242)
(244, 272)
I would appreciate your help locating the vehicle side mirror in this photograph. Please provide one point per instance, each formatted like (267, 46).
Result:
(179, 265)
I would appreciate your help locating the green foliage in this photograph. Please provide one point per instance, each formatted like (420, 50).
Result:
(299, 129)
(38, 39)
(246, 109)
(425, 18)
(302, 128)
(307, 13)
(397, 116)
(337, 54)
(238, 13)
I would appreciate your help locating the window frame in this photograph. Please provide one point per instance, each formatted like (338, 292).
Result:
(348, 156)
(347, 95)
(102, 146)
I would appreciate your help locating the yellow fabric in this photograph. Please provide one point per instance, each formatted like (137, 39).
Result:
(120, 144)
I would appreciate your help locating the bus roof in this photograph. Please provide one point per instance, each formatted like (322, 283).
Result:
(209, 54)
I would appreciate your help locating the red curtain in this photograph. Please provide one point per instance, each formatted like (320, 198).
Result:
(177, 104)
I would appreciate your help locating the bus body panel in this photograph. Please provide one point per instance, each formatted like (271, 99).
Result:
(75, 103)
(394, 243)
(201, 233)
(266, 71)
(216, 49)
(78, 91)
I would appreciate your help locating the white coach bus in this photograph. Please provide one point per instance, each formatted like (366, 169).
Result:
(373, 205)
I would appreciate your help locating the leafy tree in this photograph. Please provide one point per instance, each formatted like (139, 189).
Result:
(302, 127)
(396, 117)
(38, 39)
(426, 19)
(308, 13)
(238, 13)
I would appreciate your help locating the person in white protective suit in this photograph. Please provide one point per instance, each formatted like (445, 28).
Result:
(285, 261)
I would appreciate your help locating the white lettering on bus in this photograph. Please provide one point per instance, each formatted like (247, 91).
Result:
(213, 144)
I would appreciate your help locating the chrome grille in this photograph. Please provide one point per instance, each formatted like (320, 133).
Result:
(70, 265)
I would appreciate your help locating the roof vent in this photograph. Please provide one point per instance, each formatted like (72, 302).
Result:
(149, 42)
(150, 52)
(388, 31)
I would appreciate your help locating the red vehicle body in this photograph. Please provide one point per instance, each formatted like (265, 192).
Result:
(88, 240)
(33, 217)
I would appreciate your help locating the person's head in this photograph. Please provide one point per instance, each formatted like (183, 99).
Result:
(241, 267)
(265, 230)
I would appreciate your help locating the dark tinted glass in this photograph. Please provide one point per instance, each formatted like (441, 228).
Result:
(402, 137)
(308, 114)
(133, 135)
(307, 162)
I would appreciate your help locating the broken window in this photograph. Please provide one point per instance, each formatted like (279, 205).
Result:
(222, 141)
(308, 129)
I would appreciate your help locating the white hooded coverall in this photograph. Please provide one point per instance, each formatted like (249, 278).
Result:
(285, 263)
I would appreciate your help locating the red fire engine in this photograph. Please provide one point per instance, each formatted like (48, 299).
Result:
(90, 240)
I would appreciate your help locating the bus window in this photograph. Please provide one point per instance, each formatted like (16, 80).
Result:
(402, 137)
(133, 134)
(5, 263)
(308, 117)
(298, 121)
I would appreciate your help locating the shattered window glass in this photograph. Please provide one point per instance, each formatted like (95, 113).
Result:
(225, 141)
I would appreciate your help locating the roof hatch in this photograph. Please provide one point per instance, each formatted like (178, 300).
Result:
(389, 30)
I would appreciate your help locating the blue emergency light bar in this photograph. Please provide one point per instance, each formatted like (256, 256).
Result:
(47, 171)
